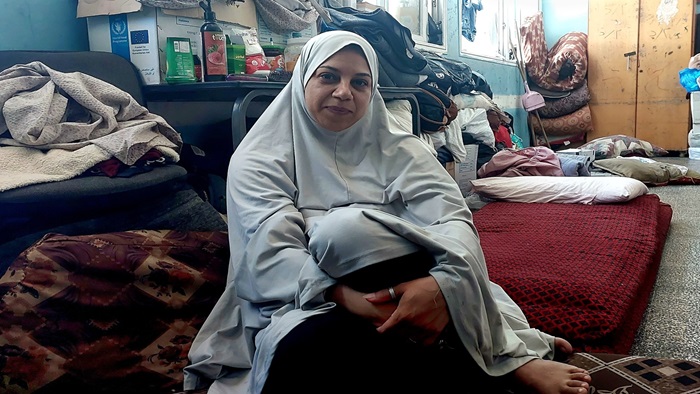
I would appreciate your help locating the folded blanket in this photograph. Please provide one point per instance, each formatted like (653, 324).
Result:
(574, 165)
(71, 121)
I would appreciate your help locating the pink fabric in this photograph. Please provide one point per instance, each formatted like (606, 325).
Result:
(536, 160)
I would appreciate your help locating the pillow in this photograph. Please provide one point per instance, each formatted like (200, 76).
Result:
(622, 145)
(577, 122)
(110, 312)
(560, 189)
(555, 108)
(648, 171)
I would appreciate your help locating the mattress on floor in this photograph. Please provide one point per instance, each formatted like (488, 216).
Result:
(581, 272)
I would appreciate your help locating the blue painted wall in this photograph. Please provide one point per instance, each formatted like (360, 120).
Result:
(504, 79)
(561, 17)
(42, 25)
(52, 25)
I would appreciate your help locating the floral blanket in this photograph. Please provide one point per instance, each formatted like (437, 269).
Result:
(564, 67)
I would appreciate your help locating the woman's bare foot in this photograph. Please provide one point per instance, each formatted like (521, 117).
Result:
(552, 377)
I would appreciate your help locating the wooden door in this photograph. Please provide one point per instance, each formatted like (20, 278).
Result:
(665, 47)
(640, 95)
(613, 30)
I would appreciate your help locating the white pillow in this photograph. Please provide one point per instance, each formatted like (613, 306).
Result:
(560, 189)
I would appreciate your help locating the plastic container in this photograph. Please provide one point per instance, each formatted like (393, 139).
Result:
(694, 153)
(293, 50)
(694, 138)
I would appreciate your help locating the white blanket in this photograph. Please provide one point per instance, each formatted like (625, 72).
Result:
(57, 125)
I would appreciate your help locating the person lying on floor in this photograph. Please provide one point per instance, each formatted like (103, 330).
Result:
(355, 265)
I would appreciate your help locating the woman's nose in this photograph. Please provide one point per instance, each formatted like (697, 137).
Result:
(342, 91)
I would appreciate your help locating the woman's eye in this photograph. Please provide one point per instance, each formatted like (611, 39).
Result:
(328, 77)
(361, 82)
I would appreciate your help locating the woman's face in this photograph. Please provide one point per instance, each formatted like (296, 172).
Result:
(338, 93)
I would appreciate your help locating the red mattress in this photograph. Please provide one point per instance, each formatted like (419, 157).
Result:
(581, 272)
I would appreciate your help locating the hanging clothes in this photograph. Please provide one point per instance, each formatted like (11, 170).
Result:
(469, 9)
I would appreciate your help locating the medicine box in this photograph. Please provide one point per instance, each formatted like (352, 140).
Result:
(141, 37)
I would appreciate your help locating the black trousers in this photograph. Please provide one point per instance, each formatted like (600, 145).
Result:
(338, 352)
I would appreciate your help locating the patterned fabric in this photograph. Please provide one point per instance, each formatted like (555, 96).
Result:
(578, 122)
(622, 145)
(564, 67)
(107, 313)
(555, 108)
(574, 272)
(620, 374)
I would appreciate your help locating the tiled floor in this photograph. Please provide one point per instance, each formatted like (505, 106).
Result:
(671, 326)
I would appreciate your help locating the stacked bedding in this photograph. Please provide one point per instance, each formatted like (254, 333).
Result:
(566, 118)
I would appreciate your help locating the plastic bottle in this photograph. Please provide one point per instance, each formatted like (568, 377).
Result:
(293, 50)
(694, 138)
(214, 60)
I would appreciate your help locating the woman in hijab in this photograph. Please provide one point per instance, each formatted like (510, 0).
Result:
(355, 265)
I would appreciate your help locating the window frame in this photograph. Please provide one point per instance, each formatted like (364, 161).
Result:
(508, 10)
(426, 7)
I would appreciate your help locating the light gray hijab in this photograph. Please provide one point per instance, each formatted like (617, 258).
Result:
(289, 173)
(328, 168)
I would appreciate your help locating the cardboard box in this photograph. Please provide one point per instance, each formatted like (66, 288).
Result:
(465, 172)
(243, 14)
(141, 37)
(133, 36)
(589, 153)
(101, 7)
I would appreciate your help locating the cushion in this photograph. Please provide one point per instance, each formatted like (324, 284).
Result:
(648, 171)
(108, 313)
(578, 122)
(560, 189)
(555, 108)
(622, 145)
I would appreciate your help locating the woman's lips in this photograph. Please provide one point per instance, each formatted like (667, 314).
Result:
(339, 110)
